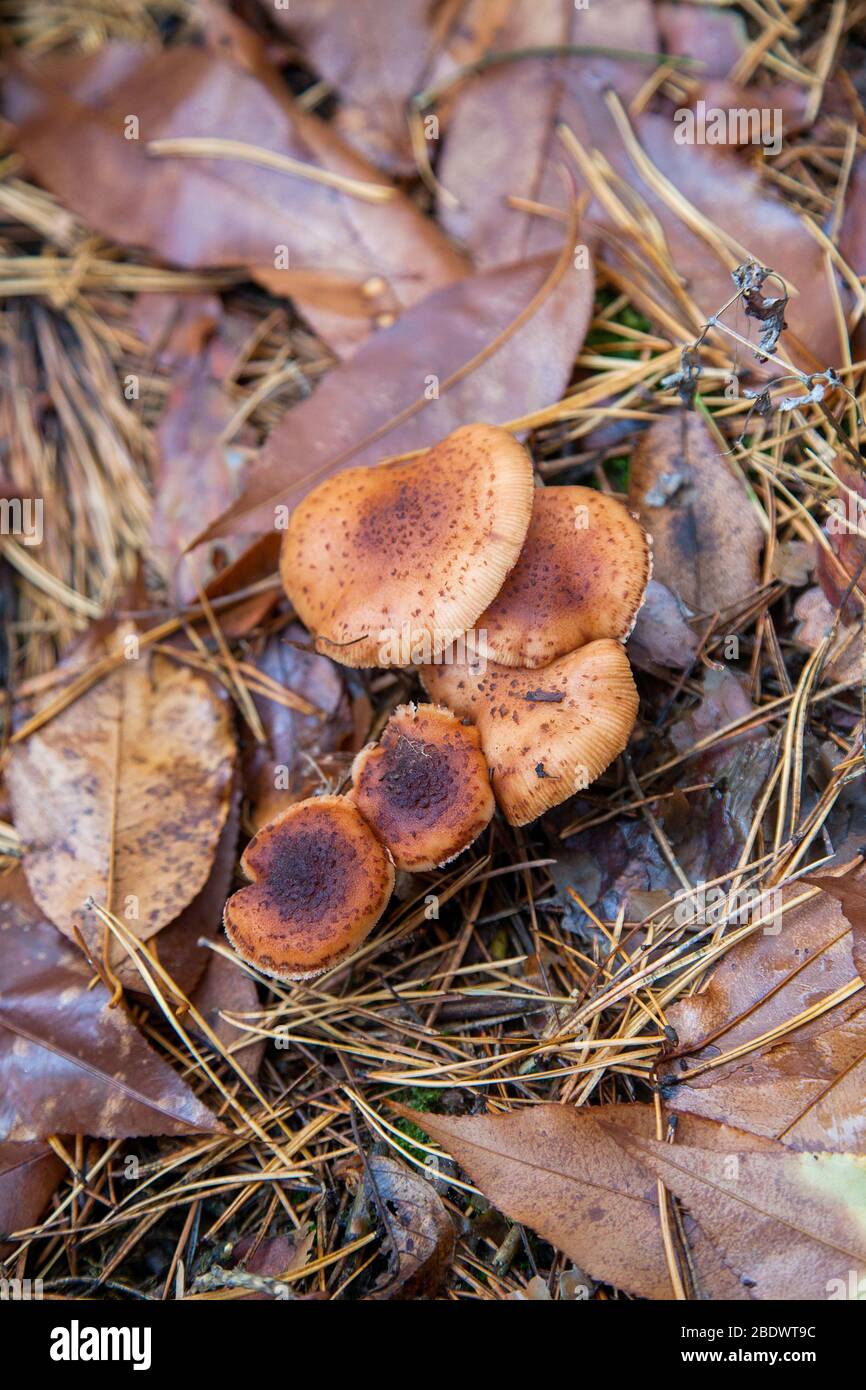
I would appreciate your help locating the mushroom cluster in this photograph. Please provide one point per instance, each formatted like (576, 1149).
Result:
(323, 871)
(513, 603)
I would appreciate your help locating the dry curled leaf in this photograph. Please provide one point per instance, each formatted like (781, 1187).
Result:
(70, 1063)
(122, 797)
(420, 1230)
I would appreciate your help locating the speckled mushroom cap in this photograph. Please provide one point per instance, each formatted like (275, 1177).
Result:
(546, 734)
(424, 788)
(320, 881)
(582, 574)
(387, 566)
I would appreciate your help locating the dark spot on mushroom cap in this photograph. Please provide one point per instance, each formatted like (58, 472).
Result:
(321, 879)
(417, 778)
(425, 788)
(306, 879)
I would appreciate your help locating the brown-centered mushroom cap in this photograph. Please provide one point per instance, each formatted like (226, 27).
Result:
(387, 566)
(424, 788)
(582, 574)
(320, 881)
(546, 734)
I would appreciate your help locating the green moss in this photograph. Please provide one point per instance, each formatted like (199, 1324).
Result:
(616, 472)
(419, 1098)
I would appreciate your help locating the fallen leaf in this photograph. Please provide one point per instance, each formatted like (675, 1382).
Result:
(790, 1223)
(568, 1175)
(807, 1087)
(619, 863)
(416, 42)
(283, 770)
(272, 1258)
(122, 796)
(716, 38)
(815, 616)
(707, 538)
(511, 130)
(393, 396)
(793, 562)
(227, 988)
(258, 562)
(190, 444)
(504, 121)
(29, 1175)
(178, 945)
(661, 634)
(225, 211)
(420, 1229)
(69, 1063)
(725, 698)
(845, 559)
(849, 890)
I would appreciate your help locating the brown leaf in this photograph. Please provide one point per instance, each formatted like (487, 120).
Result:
(717, 38)
(272, 1258)
(849, 890)
(219, 211)
(568, 1175)
(190, 445)
(619, 863)
(178, 945)
(29, 1174)
(505, 121)
(227, 988)
(725, 698)
(805, 1088)
(414, 42)
(510, 129)
(844, 561)
(706, 536)
(383, 402)
(422, 1232)
(790, 1223)
(661, 634)
(124, 794)
(259, 561)
(283, 769)
(68, 1062)
(815, 616)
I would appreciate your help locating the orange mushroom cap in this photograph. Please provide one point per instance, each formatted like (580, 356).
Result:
(424, 788)
(320, 882)
(388, 566)
(546, 734)
(582, 574)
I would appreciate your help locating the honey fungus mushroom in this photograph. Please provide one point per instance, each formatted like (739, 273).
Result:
(387, 566)
(547, 733)
(320, 881)
(424, 788)
(582, 574)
